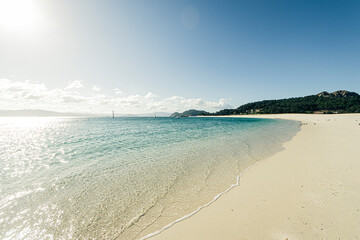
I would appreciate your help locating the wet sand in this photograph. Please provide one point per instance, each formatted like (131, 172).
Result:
(310, 190)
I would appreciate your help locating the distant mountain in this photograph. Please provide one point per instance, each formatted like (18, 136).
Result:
(336, 102)
(189, 113)
(44, 113)
(38, 113)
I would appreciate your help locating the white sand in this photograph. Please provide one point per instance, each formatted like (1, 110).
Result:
(310, 190)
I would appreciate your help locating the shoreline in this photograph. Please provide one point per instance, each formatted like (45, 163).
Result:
(153, 234)
(236, 214)
(216, 197)
(150, 235)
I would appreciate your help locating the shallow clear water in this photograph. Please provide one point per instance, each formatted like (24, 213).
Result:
(121, 178)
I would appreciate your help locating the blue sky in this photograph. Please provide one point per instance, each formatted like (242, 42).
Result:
(201, 54)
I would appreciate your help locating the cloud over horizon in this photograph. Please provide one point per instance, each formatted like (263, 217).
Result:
(75, 84)
(77, 98)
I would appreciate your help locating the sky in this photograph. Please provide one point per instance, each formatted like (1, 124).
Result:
(142, 56)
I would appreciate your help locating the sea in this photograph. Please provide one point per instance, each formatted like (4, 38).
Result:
(122, 178)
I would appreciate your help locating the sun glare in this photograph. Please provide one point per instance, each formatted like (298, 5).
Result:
(27, 123)
(19, 15)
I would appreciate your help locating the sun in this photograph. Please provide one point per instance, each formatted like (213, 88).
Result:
(19, 15)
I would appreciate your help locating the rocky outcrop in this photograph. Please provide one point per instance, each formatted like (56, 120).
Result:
(338, 94)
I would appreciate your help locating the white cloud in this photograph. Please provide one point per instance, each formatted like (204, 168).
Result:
(74, 85)
(27, 89)
(180, 103)
(117, 91)
(96, 88)
(35, 95)
(150, 95)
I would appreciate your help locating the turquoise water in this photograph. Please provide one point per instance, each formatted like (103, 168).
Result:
(122, 178)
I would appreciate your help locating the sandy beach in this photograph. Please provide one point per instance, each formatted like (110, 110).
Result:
(309, 190)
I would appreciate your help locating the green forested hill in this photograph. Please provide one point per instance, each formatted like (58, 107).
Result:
(324, 102)
(189, 113)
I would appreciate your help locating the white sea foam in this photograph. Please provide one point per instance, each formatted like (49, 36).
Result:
(199, 208)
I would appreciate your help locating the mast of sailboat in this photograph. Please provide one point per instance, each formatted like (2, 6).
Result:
(155, 112)
(113, 114)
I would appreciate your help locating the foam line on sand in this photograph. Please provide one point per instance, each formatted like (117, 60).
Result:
(309, 190)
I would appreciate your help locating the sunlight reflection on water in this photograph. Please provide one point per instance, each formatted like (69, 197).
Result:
(118, 178)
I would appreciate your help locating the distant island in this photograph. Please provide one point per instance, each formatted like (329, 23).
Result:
(190, 113)
(323, 103)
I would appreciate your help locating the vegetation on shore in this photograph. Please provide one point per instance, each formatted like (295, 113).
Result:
(337, 102)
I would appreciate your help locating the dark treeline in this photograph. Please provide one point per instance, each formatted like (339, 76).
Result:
(336, 102)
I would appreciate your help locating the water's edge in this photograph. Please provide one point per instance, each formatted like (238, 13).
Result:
(150, 235)
(123, 178)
